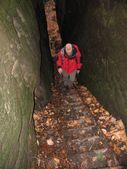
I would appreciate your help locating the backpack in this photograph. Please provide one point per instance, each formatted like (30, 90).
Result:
(62, 53)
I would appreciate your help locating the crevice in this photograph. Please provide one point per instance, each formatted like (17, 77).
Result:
(98, 27)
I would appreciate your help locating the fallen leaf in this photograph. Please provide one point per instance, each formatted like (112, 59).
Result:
(88, 100)
(68, 110)
(116, 149)
(120, 124)
(50, 142)
(57, 160)
(104, 131)
(96, 111)
(37, 142)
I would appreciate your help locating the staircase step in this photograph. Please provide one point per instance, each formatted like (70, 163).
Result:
(116, 167)
(86, 145)
(79, 123)
(74, 103)
(72, 116)
(79, 142)
(72, 93)
(80, 132)
(94, 160)
(79, 108)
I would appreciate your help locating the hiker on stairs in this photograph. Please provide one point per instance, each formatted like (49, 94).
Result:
(69, 64)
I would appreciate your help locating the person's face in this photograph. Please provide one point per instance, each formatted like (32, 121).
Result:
(68, 49)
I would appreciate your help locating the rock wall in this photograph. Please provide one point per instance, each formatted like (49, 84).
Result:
(99, 28)
(20, 60)
(42, 91)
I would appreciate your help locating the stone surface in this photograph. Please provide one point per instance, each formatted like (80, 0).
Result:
(19, 75)
(42, 91)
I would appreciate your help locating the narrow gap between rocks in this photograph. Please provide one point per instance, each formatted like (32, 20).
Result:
(73, 130)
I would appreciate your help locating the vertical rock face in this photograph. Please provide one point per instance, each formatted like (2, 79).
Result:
(100, 30)
(42, 91)
(19, 74)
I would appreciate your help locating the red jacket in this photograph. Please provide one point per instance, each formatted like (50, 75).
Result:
(69, 64)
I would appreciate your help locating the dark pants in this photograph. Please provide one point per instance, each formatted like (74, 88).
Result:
(68, 79)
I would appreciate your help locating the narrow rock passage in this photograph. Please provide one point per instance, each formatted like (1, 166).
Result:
(70, 137)
(74, 131)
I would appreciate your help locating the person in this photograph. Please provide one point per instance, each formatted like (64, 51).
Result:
(69, 64)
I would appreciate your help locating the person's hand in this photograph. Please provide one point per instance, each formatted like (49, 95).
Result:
(60, 70)
(78, 71)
